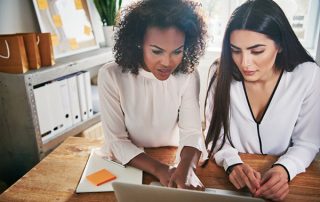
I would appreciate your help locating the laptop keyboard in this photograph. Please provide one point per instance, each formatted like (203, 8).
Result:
(216, 191)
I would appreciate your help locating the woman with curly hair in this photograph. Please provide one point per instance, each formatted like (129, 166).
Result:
(150, 96)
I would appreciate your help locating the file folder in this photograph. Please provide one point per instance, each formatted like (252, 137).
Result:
(50, 110)
(55, 109)
(87, 84)
(65, 101)
(42, 106)
(82, 97)
(74, 99)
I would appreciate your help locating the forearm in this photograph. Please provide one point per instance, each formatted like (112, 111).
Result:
(146, 163)
(189, 157)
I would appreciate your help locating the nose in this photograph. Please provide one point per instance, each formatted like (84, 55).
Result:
(245, 60)
(165, 60)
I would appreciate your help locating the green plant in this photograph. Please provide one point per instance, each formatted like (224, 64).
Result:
(108, 10)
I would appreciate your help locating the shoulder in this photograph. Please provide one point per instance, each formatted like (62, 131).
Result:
(110, 68)
(306, 74)
(306, 69)
(110, 74)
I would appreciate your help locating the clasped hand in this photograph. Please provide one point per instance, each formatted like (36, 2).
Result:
(273, 184)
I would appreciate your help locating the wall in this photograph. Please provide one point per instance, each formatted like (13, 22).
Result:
(17, 16)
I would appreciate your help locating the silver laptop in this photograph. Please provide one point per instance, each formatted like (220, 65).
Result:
(126, 192)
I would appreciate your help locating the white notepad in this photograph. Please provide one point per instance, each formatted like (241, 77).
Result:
(95, 163)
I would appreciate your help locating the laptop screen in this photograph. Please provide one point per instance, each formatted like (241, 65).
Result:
(139, 193)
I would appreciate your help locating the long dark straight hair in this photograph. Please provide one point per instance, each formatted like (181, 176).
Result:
(262, 16)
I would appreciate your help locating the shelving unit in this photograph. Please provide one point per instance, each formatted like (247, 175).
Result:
(21, 145)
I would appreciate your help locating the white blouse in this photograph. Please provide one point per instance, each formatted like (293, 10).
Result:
(141, 111)
(290, 127)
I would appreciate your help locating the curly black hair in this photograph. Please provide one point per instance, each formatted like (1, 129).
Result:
(182, 14)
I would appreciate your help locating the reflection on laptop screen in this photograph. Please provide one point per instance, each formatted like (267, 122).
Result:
(139, 193)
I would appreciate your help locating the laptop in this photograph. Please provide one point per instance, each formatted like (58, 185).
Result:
(126, 192)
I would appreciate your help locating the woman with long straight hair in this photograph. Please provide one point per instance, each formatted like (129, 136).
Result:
(263, 99)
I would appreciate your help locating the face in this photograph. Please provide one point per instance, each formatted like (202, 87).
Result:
(254, 54)
(162, 51)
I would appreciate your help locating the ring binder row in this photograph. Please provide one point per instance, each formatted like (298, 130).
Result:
(62, 103)
(23, 51)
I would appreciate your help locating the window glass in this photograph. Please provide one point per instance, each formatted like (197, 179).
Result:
(303, 16)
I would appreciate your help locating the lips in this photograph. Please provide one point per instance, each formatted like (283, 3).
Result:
(165, 70)
(249, 73)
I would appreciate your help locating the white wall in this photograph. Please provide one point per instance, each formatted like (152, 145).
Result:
(17, 16)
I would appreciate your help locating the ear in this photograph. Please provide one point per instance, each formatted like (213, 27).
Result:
(279, 49)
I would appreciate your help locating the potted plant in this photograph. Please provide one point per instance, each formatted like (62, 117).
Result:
(108, 11)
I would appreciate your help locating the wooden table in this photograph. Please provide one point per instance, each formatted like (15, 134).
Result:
(55, 178)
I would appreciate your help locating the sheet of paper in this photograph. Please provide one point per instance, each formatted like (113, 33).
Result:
(95, 163)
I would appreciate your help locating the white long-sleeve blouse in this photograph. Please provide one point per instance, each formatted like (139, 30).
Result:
(141, 111)
(290, 127)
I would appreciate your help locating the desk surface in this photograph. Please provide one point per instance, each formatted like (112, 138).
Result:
(55, 178)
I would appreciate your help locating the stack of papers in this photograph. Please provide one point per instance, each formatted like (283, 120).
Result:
(97, 162)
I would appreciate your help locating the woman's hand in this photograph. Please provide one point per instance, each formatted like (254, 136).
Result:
(163, 173)
(274, 184)
(243, 175)
(185, 178)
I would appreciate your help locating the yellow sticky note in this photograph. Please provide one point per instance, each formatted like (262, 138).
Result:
(78, 4)
(73, 43)
(54, 40)
(87, 30)
(43, 4)
(100, 177)
(57, 20)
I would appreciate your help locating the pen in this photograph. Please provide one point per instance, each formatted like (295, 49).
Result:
(111, 161)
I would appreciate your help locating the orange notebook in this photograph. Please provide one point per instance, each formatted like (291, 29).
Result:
(100, 177)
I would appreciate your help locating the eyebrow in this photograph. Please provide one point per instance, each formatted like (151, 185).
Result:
(155, 46)
(251, 47)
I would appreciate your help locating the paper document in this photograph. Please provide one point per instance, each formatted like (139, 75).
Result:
(95, 163)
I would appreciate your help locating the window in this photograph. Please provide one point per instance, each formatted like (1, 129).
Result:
(303, 16)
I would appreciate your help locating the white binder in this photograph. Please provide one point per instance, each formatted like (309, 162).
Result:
(87, 84)
(65, 100)
(55, 109)
(74, 99)
(41, 95)
(82, 96)
(50, 110)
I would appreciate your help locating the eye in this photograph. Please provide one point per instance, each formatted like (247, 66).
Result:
(235, 51)
(157, 52)
(257, 52)
(177, 52)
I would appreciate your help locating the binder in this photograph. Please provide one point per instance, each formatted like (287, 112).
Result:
(55, 109)
(82, 96)
(50, 110)
(87, 84)
(41, 95)
(65, 101)
(74, 99)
